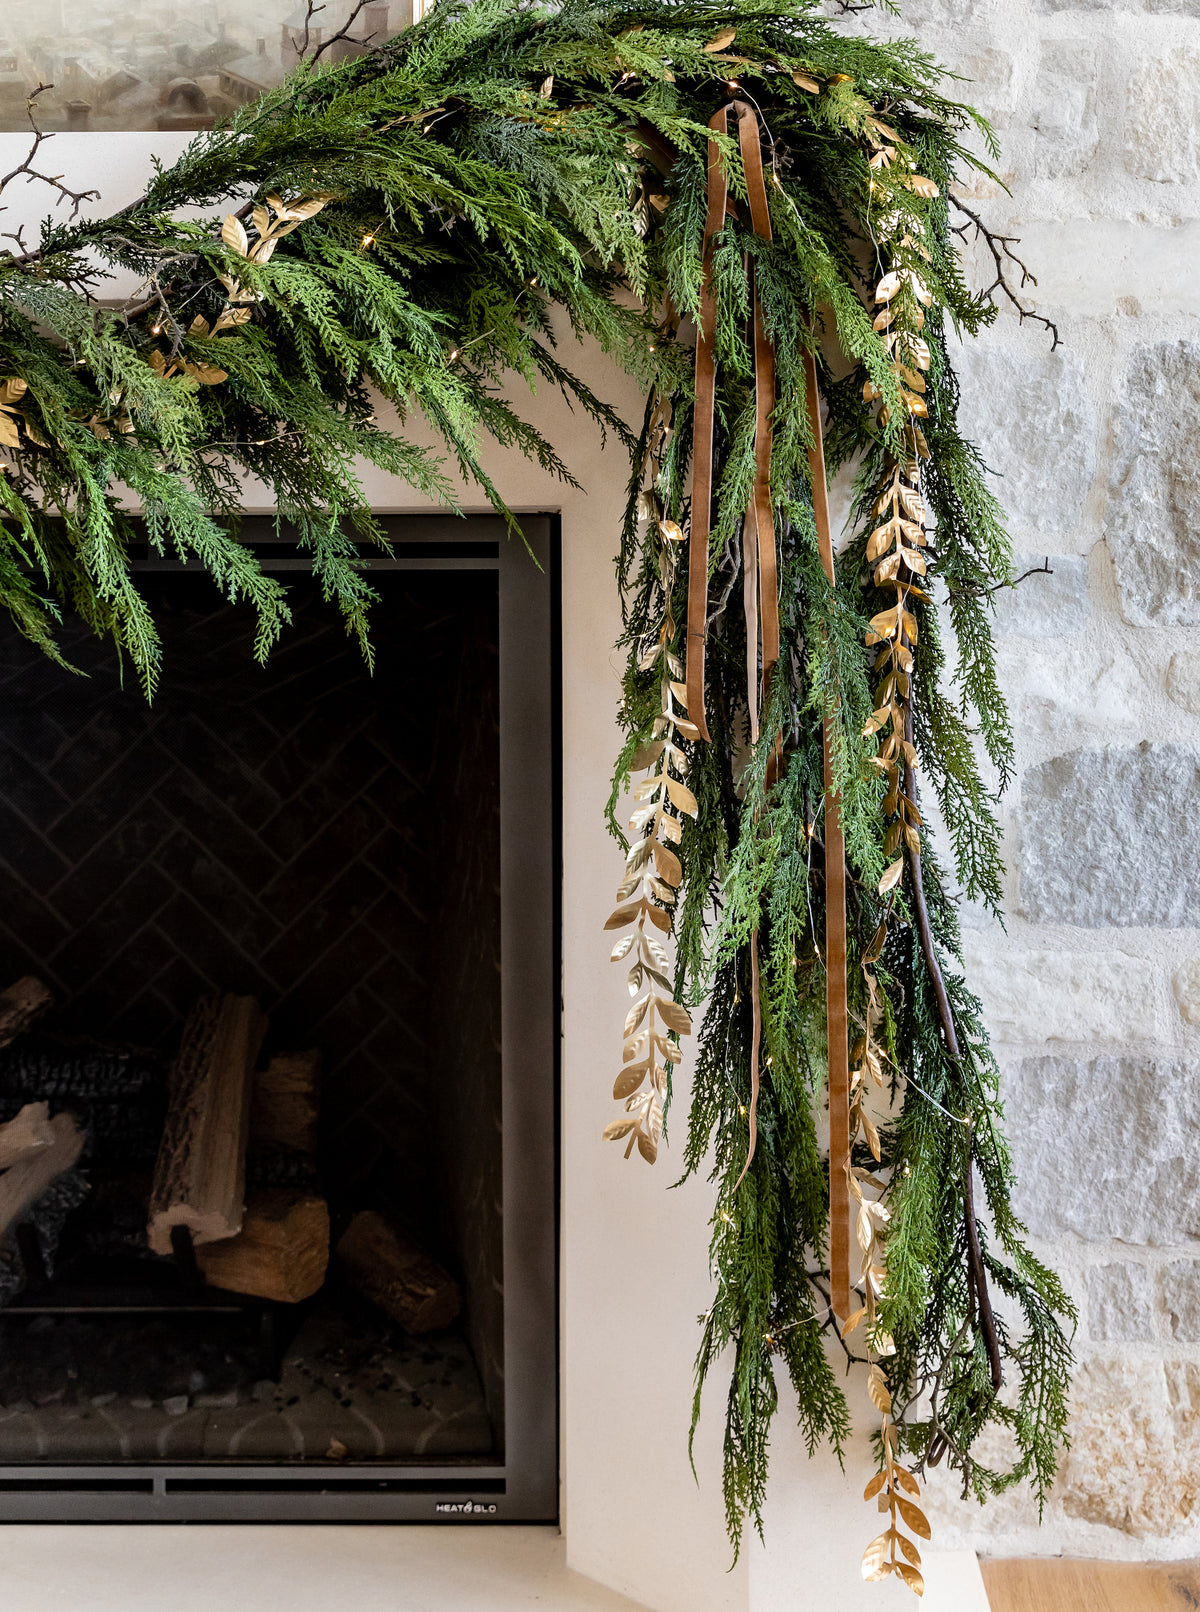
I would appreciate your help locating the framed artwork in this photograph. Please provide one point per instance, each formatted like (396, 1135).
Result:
(166, 64)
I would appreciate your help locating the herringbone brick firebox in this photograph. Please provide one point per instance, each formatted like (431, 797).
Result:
(325, 838)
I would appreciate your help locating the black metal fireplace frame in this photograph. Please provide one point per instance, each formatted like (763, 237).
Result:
(523, 1485)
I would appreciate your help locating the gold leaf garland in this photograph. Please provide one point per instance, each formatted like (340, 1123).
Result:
(894, 549)
(653, 872)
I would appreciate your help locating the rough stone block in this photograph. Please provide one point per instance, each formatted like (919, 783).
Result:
(1109, 837)
(1106, 1147)
(1045, 605)
(1062, 996)
(1154, 492)
(1121, 1304)
(1134, 1461)
(1162, 112)
(1071, 695)
(1186, 988)
(1066, 128)
(1035, 425)
(1179, 1291)
(1183, 677)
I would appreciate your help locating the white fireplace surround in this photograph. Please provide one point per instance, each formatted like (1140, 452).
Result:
(634, 1271)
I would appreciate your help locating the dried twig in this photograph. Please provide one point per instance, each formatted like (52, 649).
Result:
(26, 168)
(342, 33)
(1001, 248)
(974, 591)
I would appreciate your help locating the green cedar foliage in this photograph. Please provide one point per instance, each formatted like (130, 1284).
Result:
(495, 164)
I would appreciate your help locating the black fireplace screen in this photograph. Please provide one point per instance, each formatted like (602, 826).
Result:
(340, 845)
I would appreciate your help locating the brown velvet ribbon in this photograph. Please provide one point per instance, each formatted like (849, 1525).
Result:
(836, 1007)
(761, 583)
(761, 602)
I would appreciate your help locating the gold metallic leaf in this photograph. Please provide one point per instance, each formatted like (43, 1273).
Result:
(906, 1480)
(909, 1549)
(636, 1014)
(881, 1398)
(668, 864)
(682, 797)
(892, 877)
(911, 1577)
(875, 1564)
(722, 40)
(624, 915)
(915, 1518)
(880, 1478)
(872, 1136)
(233, 233)
(888, 287)
(919, 183)
(857, 1316)
(617, 1129)
(622, 949)
(627, 1082)
(9, 435)
(806, 83)
(674, 1015)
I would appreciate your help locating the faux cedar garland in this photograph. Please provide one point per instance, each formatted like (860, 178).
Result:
(403, 228)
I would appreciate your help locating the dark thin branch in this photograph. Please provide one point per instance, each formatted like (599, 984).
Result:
(1003, 257)
(342, 33)
(976, 1270)
(974, 591)
(26, 168)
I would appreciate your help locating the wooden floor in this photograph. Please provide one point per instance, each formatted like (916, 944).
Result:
(1062, 1585)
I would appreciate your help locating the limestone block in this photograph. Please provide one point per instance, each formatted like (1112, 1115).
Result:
(1179, 1290)
(1045, 605)
(1035, 425)
(1061, 996)
(1109, 837)
(1065, 125)
(1154, 492)
(1071, 694)
(1134, 1462)
(1162, 111)
(1186, 988)
(1121, 1304)
(1106, 1147)
(1183, 676)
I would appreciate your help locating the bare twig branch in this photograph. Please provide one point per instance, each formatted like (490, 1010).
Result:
(29, 172)
(342, 33)
(974, 591)
(1003, 256)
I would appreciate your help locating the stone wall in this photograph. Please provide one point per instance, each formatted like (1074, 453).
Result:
(1093, 992)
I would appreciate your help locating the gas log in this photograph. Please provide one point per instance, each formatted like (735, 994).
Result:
(200, 1173)
(285, 1103)
(281, 1252)
(20, 1005)
(23, 1184)
(27, 1133)
(393, 1272)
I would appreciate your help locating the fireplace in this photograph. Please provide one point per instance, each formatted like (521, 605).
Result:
(299, 925)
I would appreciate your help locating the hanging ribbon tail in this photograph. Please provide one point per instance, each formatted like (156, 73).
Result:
(762, 595)
(836, 1008)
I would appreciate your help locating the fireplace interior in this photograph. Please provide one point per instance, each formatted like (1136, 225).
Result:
(267, 907)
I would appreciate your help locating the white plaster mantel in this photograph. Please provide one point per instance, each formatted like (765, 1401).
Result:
(634, 1261)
